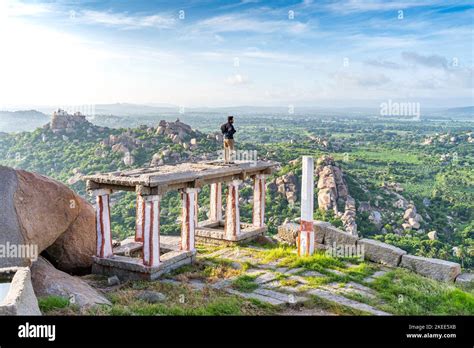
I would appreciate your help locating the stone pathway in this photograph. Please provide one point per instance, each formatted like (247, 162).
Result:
(374, 276)
(283, 286)
(341, 300)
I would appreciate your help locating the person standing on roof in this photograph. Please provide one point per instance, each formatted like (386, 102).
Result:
(228, 131)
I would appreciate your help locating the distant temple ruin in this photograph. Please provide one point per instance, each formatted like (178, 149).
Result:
(61, 120)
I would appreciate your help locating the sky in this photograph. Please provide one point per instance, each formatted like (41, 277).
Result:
(341, 53)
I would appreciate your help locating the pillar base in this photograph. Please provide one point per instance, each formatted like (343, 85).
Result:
(130, 268)
(212, 233)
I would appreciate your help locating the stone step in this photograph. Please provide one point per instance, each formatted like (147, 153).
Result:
(312, 274)
(350, 288)
(289, 298)
(295, 270)
(374, 276)
(262, 298)
(265, 278)
(341, 300)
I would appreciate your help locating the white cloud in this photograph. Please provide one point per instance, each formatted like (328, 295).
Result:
(127, 21)
(13, 8)
(237, 79)
(351, 6)
(242, 23)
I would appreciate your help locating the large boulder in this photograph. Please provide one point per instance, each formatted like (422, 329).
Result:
(72, 251)
(11, 231)
(48, 281)
(288, 233)
(37, 211)
(432, 268)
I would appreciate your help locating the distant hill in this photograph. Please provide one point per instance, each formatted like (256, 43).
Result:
(466, 110)
(25, 120)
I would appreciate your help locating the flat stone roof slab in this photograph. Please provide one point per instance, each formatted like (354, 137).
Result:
(189, 174)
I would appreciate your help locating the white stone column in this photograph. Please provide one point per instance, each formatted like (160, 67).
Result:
(188, 225)
(232, 216)
(216, 202)
(259, 200)
(140, 218)
(306, 235)
(151, 231)
(104, 234)
(196, 209)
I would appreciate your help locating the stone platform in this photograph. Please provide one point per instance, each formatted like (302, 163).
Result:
(126, 262)
(213, 233)
(148, 255)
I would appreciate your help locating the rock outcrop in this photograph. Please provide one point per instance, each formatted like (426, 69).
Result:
(286, 185)
(332, 188)
(61, 121)
(38, 211)
(177, 131)
(48, 281)
(412, 218)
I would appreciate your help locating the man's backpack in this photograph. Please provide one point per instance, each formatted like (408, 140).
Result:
(224, 128)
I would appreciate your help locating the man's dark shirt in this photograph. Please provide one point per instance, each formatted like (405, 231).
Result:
(228, 130)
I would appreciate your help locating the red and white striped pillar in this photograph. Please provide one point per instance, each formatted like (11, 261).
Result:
(196, 209)
(189, 218)
(306, 237)
(232, 215)
(216, 202)
(140, 218)
(151, 231)
(104, 234)
(259, 200)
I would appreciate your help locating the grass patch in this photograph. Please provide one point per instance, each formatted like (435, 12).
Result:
(406, 293)
(52, 303)
(180, 300)
(358, 272)
(289, 282)
(245, 283)
(277, 253)
(319, 261)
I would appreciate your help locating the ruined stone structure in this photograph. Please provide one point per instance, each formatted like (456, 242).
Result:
(61, 120)
(151, 184)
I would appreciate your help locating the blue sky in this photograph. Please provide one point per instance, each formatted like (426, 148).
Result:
(247, 52)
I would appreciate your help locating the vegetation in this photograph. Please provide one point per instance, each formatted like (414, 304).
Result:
(404, 293)
(52, 303)
(435, 175)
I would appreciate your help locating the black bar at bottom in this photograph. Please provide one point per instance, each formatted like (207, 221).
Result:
(438, 330)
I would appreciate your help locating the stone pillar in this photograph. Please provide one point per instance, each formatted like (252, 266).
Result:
(104, 234)
(140, 218)
(151, 231)
(216, 202)
(259, 200)
(232, 215)
(189, 212)
(196, 209)
(306, 234)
